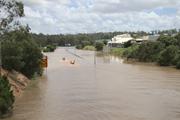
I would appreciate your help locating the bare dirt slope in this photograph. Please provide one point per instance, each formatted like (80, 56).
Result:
(17, 80)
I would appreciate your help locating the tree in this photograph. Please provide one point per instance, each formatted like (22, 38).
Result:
(178, 65)
(105, 42)
(167, 40)
(177, 60)
(149, 51)
(131, 52)
(12, 9)
(12, 56)
(99, 46)
(21, 53)
(8, 11)
(178, 40)
(167, 56)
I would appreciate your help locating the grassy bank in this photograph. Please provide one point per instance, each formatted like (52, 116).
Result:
(98, 46)
(89, 47)
(117, 51)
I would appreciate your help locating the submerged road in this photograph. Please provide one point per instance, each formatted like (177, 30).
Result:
(111, 90)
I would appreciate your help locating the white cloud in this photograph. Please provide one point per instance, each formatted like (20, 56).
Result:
(69, 16)
(130, 5)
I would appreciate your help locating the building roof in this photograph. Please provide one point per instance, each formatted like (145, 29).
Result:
(119, 39)
(151, 37)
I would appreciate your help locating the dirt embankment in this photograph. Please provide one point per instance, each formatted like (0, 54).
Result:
(17, 80)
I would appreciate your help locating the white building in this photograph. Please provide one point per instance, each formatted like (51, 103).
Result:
(119, 40)
(151, 37)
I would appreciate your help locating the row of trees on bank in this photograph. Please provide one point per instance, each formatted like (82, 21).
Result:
(86, 39)
(165, 51)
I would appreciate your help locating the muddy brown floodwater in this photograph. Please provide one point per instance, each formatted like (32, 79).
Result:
(111, 90)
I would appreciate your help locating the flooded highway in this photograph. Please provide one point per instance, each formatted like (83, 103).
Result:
(109, 90)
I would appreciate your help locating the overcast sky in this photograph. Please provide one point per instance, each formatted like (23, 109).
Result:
(87, 16)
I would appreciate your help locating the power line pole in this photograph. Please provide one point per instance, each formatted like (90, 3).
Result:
(95, 53)
(94, 57)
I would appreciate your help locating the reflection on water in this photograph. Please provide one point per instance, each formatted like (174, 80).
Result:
(111, 90)
(108, 59)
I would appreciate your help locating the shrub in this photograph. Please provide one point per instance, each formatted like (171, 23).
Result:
(79, 46)
(6, 96)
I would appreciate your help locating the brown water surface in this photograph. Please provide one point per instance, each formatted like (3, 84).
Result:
(111, 90)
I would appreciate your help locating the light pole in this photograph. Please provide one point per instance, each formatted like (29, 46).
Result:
(95, 53)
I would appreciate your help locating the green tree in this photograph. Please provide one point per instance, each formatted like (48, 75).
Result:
(99, 46)
(177, 60)
(31, 57)
(12, 9)
(105, 42)
(21, 53)
(167, 56)
(12, 55)
(167, 40)
(131, 52)
(178, 65)
(148, 51)
(178, 40)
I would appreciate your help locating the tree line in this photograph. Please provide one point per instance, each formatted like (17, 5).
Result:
(89, 39)
(165, 51)
(18, 51)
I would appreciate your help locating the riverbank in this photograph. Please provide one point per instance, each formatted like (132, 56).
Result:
(137, 62)
(151, 52)
(18, 82)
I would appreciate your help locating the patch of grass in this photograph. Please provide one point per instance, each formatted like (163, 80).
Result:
(89, 47)
(117, 51)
